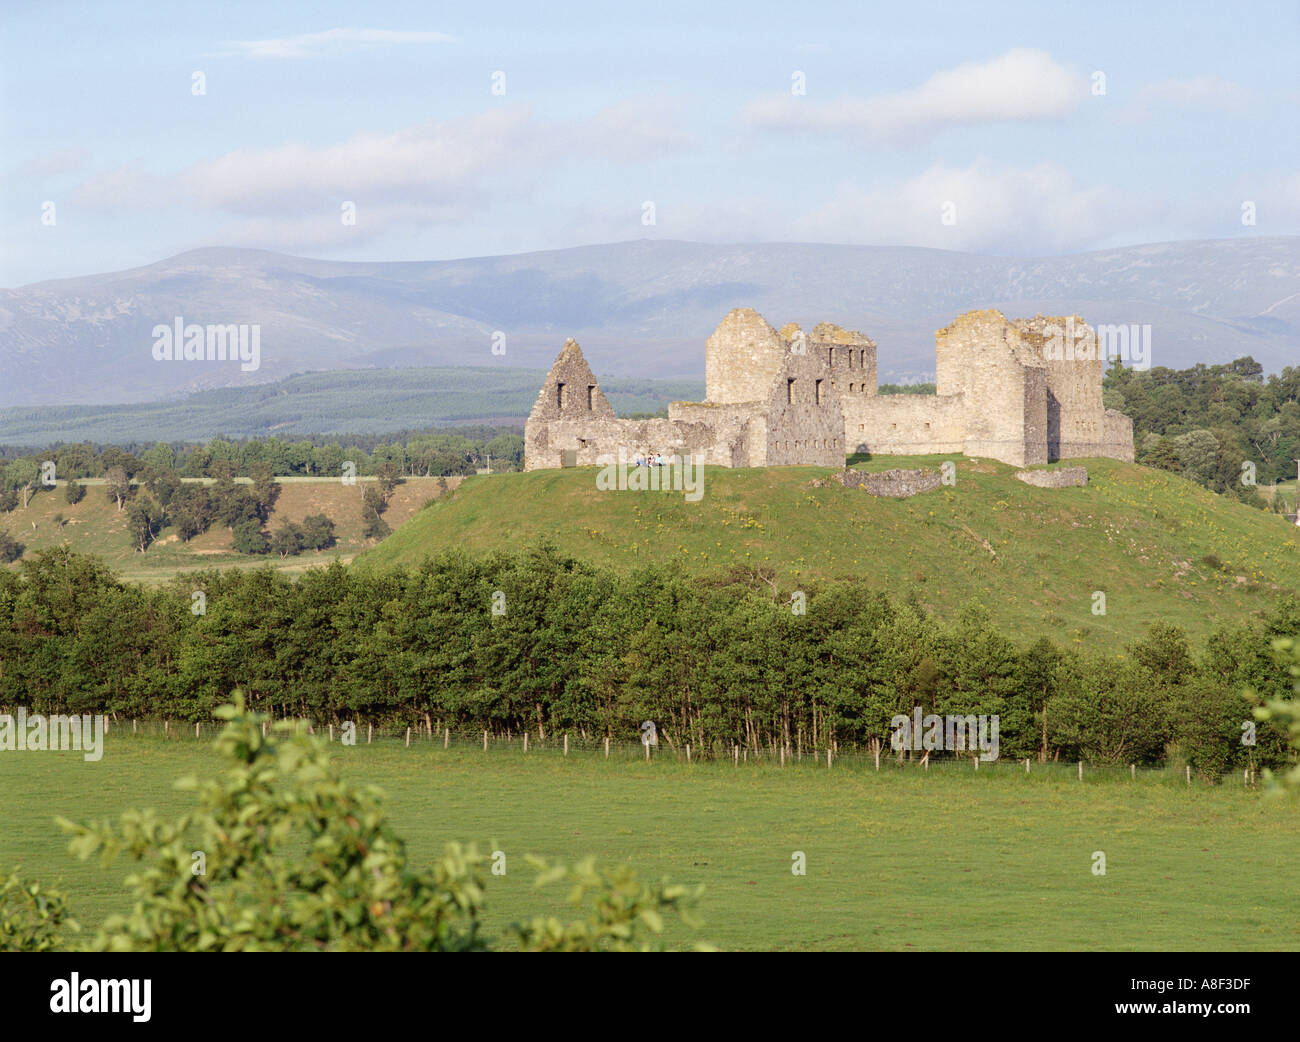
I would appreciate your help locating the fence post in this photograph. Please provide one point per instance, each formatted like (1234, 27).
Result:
(133, 725)
(1189, 774)
(446, 738)
(370, 730)
(606, 747)
(485, 741)
(525, 741)
(408, 738)
(566, 743)
(977, 763)
(1080, 770)
(196, 729)
(1132, 772)
(735, 753)
(331, 732)
(782, 756)
(688, 752)
(828, 757)
(1026, 764)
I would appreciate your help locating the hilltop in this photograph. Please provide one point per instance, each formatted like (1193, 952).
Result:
(1158, 546)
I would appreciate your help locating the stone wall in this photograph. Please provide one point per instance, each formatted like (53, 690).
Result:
(896, 484)
(805, 422)
(904, 424)
(850, 357)
(1062, 477)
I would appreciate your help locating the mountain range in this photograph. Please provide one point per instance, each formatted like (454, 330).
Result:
(639, 309)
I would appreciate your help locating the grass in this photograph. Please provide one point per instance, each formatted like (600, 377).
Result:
(96, 526)
(897, 860)
(1158, 546)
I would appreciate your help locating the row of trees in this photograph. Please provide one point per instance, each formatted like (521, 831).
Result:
(425, 454)
(1206, 421)
(538, 641)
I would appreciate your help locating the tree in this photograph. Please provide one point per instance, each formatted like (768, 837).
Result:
(266, 490)
(74, 492)
(10, 548)
(318, 532)
(21, 475)
(249, 538)
(143, 521)
(287, 539)
(117, 485)
(374, 503)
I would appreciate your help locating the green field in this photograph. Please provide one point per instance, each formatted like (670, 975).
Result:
(1158, 546)
(900, 859)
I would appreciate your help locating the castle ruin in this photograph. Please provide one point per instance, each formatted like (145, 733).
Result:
(1022, 391)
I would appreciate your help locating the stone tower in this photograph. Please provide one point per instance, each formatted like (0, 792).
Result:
(742, 358)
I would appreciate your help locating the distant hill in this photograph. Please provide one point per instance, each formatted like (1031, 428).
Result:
(640, 309)
(365, 401)
(1158, 546)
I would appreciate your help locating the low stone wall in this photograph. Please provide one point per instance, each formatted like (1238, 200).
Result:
(898, 484)
(1062, 477)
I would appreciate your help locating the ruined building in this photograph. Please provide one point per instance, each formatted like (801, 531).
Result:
(1022, 391)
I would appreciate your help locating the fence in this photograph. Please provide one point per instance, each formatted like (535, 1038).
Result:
(853, 757)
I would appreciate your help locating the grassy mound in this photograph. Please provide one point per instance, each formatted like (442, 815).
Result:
(1157, 546)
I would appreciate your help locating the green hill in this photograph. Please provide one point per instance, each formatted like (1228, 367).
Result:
(1159, 547)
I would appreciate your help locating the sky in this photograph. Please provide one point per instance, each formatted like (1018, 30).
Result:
(416, 131)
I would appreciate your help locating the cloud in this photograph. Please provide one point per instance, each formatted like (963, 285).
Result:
(331, 41)
(1199, 92)
(1031, 210)
(433, 174)
(1019, 85)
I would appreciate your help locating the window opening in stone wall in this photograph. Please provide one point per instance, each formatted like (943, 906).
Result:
(789, 390)
(559, 396)
(818, 386)
(591, 396)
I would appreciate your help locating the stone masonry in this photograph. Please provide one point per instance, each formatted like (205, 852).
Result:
(1023, 391)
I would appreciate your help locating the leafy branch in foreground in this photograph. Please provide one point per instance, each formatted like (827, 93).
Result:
(1285, 712)
(32, 916)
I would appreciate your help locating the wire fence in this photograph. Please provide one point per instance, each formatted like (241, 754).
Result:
(852, 757)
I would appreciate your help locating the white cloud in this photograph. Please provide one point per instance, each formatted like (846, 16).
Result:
(331, 41)
(1020, 85)
(1032, 210)
(434, 174)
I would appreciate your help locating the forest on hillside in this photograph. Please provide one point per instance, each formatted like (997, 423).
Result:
(1208, 422)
